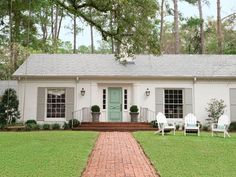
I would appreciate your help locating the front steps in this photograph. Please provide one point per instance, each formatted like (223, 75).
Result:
(115, 126)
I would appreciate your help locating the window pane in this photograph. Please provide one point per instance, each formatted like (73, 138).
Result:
(173, 103)
(56, 103)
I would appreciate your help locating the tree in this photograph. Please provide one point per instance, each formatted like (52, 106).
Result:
(219, 30)
(202, 48)
(133, 20)
(176, 26)
(9, 107)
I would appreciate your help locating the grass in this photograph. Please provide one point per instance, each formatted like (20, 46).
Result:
(45, 153)
(190, 156)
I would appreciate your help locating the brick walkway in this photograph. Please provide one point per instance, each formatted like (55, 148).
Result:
(117, 154)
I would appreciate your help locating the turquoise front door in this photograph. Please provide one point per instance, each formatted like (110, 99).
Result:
(115, 104)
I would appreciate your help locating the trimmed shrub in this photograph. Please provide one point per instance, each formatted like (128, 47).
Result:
(46, 127)
(66, 126)
(134, 109)
(177, 126)
(205, 128)
(31, 121)
(56, 126)
(32, 126)
(154, 124)
(75, 123)
(232, 126)
(95, 108)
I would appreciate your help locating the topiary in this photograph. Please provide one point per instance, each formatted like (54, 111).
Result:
(31, 121)
(76, 123)
(133, 109)
(95, 108)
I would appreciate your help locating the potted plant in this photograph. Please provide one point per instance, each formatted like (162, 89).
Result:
(134, 113)
(95, 111)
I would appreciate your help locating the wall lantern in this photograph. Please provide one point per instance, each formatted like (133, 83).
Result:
(82, 92)
(147, 92)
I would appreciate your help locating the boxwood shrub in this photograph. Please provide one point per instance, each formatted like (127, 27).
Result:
(31, 121)
(46, 127)
(75, 123)
(232, 126)
(56, 126)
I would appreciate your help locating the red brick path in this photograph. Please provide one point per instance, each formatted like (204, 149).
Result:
(117, 154)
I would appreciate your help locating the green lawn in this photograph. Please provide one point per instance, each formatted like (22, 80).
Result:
(45, 153)
(191, 156)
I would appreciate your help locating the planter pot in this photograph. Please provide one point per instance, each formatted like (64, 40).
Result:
(95, 116)
(134, 116)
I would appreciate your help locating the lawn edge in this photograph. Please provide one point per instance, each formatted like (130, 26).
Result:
(141, 147)
(90, 154)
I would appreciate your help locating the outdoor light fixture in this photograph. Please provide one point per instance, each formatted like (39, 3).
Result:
(147, 92)
(82, 92)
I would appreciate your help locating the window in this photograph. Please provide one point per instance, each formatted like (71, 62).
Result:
(56, 103)
(174, 103)
(125, 99)
(104, 99)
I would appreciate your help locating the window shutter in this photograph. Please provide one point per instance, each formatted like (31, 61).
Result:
(159, 100)
(232, 94)
(41, 104)
(69, 102)
(188, 101)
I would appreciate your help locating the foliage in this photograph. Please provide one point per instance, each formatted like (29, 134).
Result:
(32, 126)
(76, 123)
(40, 154)
(31, 121)
(154, 123)
(56, 126)
(177, 127)
(232, 126)
(66, 126)
(9, 107)
(185, 156)
(134, 109)
(119, 20)
(215, 109)
(46, 127)
(95, 108)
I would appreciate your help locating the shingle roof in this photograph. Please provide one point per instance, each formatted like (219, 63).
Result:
(145, 66)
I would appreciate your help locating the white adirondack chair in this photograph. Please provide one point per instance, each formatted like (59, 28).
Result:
(190, 124)
(222, 125)
(163, 125)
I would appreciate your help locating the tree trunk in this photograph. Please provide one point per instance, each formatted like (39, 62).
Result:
(202, 46)
(91, 33)
(176, 26)
(162, 22)
(92, 45)
(55, 30)
(219, 31)
(10, 34)
(74, 51)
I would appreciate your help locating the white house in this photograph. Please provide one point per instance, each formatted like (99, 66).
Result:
(52, 86)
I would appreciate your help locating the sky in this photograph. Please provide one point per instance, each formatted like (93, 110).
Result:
(227, 7)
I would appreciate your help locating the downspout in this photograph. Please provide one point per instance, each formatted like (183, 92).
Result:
(194, 85)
